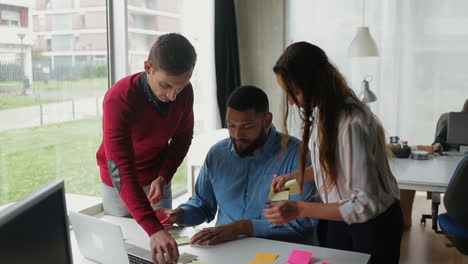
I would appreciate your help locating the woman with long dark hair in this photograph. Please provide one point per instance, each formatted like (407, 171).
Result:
(349, 159)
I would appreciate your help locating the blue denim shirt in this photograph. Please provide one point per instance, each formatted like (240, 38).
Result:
(237, 188)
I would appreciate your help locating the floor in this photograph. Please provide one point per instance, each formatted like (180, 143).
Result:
(420, 244)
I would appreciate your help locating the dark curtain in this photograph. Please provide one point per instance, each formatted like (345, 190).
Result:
(226, 53)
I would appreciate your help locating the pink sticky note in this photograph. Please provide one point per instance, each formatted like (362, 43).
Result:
(299, 257)
(326, 263)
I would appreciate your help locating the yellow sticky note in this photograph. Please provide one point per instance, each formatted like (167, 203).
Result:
(182, 241)
(283, 195)
(265, 257)
(293, 186)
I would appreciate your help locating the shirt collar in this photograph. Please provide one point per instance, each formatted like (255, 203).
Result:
(161, 107)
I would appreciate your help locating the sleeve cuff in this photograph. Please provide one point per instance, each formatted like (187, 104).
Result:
(189, 219)
(261, 227)
(151, 225)
(354, 212)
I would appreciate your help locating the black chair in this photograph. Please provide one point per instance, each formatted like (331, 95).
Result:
(454, 223)
(435, 198)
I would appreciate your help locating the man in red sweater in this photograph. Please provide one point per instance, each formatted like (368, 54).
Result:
(147, 131)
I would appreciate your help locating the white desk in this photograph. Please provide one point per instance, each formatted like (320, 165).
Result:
(234, 252)
(432, 175)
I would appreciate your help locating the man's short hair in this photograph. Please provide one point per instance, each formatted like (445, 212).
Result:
(248, 97)
(173, 53)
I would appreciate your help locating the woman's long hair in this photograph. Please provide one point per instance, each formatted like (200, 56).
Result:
(306, 70)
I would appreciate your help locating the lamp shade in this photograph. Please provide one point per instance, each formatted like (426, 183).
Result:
(363, 45)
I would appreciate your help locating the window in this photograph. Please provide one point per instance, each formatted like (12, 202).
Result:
(83, 21)
(50, 105)
(100, 59)
(180, 16)
(42, 25)
(49, 44)
(62, 22)
(77, 43)
(10, 17)
(62, 42)
(59, 4)
(50, 116)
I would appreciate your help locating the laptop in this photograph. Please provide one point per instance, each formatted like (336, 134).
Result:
(103, 242)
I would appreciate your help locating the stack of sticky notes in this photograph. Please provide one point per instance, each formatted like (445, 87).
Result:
(290, 188)
(299, 257)
(181, 240)
(263, 258)
(187, 258)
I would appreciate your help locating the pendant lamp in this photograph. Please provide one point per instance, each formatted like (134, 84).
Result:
(363, 45)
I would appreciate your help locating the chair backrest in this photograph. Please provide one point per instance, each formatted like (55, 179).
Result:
(456, 195)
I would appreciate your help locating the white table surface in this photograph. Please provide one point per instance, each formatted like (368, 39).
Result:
(433, 174)
(234, 252)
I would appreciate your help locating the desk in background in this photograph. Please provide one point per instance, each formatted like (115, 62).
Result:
(234, 252)
(432, 175)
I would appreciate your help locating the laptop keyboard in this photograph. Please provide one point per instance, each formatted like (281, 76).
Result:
(137, 260)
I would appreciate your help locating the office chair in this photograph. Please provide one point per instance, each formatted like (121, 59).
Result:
(435, 198)
(454, 223)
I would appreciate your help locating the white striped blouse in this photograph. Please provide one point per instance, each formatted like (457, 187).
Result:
(365, 186)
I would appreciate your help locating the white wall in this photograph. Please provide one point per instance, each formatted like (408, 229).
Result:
(261, 33)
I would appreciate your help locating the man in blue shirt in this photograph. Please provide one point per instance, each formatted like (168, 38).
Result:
(236, 176)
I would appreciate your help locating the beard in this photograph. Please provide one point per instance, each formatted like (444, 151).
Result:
(254, 145)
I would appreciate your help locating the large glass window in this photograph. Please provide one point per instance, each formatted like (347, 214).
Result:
(148, 19)
(51, 89)
(52, 84)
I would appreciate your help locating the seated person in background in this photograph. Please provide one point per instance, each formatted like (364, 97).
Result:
(236, 175)
(440, 141)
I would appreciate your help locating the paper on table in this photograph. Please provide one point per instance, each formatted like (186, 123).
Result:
(265, 257)
(293, 187)
(181, 240)
(299, 257)
(283, 195)
(187, 258)
(199, 262)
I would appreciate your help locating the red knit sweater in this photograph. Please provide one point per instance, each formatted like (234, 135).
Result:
(139, 144)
